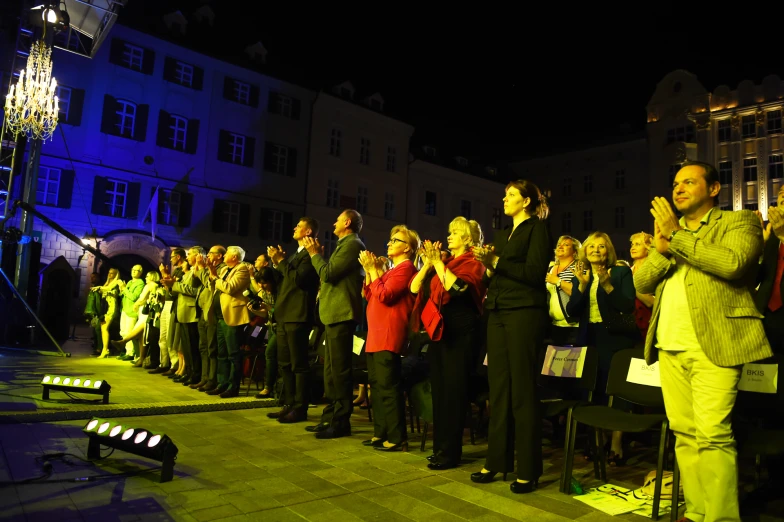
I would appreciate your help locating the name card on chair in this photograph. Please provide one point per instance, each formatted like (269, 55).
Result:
(759, 378)
(564, 361)
(358, 344)
(642, 373)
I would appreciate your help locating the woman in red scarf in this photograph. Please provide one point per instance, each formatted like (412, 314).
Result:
(454, 286)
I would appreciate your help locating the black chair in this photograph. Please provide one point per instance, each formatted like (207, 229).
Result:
(560, 392)
(608, 418)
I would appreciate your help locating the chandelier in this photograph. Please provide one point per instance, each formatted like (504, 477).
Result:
(31, 107)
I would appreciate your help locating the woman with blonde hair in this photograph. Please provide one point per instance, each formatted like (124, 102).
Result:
(640, 244)
(516, 325)
(110, 322)
(454, 287)
(563, 329)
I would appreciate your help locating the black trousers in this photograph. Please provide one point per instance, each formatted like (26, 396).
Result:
(513, 339)
(152, 335)
(208, 350)
(389, 415)
(450, 365)
(338, 383)
(189, 345)
(292, 340)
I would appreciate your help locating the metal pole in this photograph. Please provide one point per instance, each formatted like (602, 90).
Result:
(30, 187)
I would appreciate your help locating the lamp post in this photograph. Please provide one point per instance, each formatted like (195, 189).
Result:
(31, 109)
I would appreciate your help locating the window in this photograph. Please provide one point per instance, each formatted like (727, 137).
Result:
(429, 151)
(273, 228)
(231, 217)
(362, 200)
(774, 122)
(672, 171)
(750, 180)
(133, 57)
(364, 151)
(64, 99)
(430, 203)
(725, 173)
(183, 74)
(389, 205)
(465, 208)
(588, 183)
(391, 159)
(497, 218)
(283, 105)
(169, 207)
(126, 118)
(491, 171)
(567, 187)
(333, 193)
(725, 131)
(749, 170)
(237, 146)
(287, 106)
(587, 220)
(566, 222)
(179, 130)
(48, 186)
(620, 217)
(461, 161)
(116, 192)
(280, 159)
(620, 179)
(241, 92)
(750, 206)
(335, 142)
(329, 243)
(682, 133)
(776, 166)
(748, 126)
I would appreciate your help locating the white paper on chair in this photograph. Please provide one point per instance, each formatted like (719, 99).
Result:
(642, 373)
(760, 378)
(358, 344)
(256, 331)
(564, 361)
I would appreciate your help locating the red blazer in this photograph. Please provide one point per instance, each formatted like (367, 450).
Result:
(390, 303)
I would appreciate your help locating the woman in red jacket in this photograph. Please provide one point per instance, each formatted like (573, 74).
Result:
(388, 313)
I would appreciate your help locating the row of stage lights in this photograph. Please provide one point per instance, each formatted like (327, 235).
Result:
(75, 385)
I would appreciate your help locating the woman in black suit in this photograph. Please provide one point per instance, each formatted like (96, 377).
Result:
(517, 306)
(599, 289)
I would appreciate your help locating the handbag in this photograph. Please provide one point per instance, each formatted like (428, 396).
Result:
(432, 320)
(620, 323)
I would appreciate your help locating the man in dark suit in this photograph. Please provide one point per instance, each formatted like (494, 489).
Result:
(340, 309)
(294, 313)
(768, 296)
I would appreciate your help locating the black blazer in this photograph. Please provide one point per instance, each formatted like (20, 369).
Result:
(296, 301)
(519, 279)
(621, 299)
(767, 274)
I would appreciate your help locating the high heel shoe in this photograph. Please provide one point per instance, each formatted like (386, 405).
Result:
(484, 478)
(523, 487)
(375, 443)
(400, 446)
(104, 354)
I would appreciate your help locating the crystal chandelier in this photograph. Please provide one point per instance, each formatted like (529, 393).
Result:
(31, 107)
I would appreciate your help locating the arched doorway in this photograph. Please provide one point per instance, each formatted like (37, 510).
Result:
(127, 248)
(125, 262)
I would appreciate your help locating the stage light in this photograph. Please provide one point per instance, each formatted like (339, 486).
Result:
(139, 441)
(75, 385)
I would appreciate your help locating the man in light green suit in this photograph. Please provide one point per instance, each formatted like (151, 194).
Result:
(703, 328)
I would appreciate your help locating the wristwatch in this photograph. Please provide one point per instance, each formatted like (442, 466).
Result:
(672, 235)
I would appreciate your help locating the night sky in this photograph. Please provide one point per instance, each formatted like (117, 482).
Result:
(498, 85)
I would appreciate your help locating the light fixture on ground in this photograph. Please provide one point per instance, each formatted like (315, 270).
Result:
(75, 385)
(139, 441)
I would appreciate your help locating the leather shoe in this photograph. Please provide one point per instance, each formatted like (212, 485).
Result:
(207, 387)
(522, 487)
(280, 413)
(160, 369)
(198, 385)
(318, 427)
(333, 433)
(218, 390)
(441, 465)
(374, 443)
(484, 478)
(230, 393)
(293, 416)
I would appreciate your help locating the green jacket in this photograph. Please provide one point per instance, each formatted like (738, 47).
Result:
(340, 297)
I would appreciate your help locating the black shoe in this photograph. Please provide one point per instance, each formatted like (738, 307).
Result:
(160, 369)
(522, 487)
(208, 387)
(442, 465)
(318, 427)
(374, 443)
(333, 433)
(230, 393)
(400, 446)
(484, 478)
(218, 390)
(280, 413)
(294, 416)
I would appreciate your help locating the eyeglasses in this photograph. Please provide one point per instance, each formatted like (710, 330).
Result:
(396, 240)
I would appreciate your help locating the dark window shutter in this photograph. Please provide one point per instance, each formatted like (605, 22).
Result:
(223, 145)
(253, 99)
(228, 88)
(160, 204)
(76, 107)
(109, 118)
(65, 190)
(295, 108)
(265, 231)
(250, 151)
(244, 219)
(116, 52)
(217, 215)
(198, 78)
(269, 158)
(99, 196)
(291, 162)
(163, 139)
(272, 103)
(140, 126)
(192, 137)
(288, 227)
(148, 61)
(169, 69)
(132, 202)
(186, 209)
